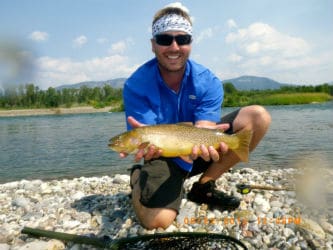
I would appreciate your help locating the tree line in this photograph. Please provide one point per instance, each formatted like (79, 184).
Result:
(31, 96)
(288, 94)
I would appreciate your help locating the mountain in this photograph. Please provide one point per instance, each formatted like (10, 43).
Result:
(254, 83)
(240, 83)
(114, 83)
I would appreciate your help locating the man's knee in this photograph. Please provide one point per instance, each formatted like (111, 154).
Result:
(152, 218)
(260, 113)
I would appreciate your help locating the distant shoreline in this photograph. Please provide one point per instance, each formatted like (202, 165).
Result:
(53, 111)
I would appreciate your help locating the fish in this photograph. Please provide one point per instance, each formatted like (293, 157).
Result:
(179, 139)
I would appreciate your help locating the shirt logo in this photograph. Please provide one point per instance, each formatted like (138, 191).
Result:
(192, 97)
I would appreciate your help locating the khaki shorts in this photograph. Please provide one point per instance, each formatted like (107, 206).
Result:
(161, 180)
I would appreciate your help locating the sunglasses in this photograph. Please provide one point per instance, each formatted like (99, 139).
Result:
(166, 40)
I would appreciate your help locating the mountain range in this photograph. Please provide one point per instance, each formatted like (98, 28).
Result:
(240, 83)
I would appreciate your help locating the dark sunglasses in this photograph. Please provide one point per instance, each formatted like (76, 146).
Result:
(166, 40)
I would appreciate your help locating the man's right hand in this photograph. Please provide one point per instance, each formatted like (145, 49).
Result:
(147, 153)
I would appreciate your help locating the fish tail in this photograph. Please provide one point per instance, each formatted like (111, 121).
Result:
(242, 151)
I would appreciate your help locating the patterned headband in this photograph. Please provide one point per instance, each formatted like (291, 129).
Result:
(172, 22)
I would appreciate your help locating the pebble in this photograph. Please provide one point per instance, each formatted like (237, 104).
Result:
(101, 206)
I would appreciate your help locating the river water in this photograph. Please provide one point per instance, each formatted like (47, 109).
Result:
(67, 146)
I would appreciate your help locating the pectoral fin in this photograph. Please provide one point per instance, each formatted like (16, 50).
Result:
(143, 145)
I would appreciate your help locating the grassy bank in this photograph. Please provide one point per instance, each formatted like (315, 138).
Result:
(276, 99)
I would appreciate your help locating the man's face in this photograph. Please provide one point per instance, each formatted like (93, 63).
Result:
(172, 58)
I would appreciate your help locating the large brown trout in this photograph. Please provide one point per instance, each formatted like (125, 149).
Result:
(178, 140)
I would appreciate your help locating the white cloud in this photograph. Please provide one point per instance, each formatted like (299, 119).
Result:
(118, 47)
(231, 24)
(80, 41)
(260, 49)
(235, 58)
(121, 46)
(39, 36)
(102, 40)
(204, 34)
(54, 72)
(260, 39)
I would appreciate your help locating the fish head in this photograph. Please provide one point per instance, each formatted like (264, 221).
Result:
(125, 143)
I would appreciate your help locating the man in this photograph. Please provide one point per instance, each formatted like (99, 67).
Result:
(171, 88)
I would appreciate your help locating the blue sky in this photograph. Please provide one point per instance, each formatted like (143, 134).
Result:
(51, 43)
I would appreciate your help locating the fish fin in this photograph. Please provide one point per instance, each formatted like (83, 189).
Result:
(143, 145)
(242, 151)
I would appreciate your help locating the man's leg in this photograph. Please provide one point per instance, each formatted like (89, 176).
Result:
(149, 218)
(254, 118)
(156, 193)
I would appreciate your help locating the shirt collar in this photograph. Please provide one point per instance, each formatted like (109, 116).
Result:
(185, 77)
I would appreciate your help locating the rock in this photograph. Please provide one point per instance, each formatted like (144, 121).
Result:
(21, 202)
(100, 206)
(276, 204)
(245, 215)
(35, 245)
(326, 226)
(171, 228)
(55, 245)
(260, 204)
(287, 232)
(4, 246)
(78, 195)
(70, 224)
(121, 179)
(311, 227)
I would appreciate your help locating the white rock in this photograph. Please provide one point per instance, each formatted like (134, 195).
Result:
(121, 179)
(276, 204)
(171, 228)
(78, 195)
(311, 227)
(4, 246)
(287, 232)
(55, 245)
(35, 245)
(21, 202)
(69, 224)
(260, 204)
(326, 226)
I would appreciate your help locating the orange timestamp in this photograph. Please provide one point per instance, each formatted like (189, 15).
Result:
(237, 220)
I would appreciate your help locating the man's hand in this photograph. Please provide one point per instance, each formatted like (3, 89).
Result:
(147, 153)
(210, 153)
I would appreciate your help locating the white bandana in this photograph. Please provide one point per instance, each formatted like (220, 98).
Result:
(172, 22)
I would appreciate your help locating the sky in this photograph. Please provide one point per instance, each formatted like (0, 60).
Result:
(51, 43)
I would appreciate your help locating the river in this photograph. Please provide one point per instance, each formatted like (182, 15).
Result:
(67, 146)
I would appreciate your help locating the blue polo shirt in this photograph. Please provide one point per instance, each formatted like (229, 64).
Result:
(150, 101)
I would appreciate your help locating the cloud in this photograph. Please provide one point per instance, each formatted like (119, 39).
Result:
(121, 46)
(54, 72)
(261, 39)
(102, 40)
(118, 47)
(204, 34)
(261, 49)
(39, 36)
(231, 24)
(235, 58)
(80, 41)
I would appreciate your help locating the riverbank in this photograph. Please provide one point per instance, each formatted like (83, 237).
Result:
(53, 111)
(101, 206)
